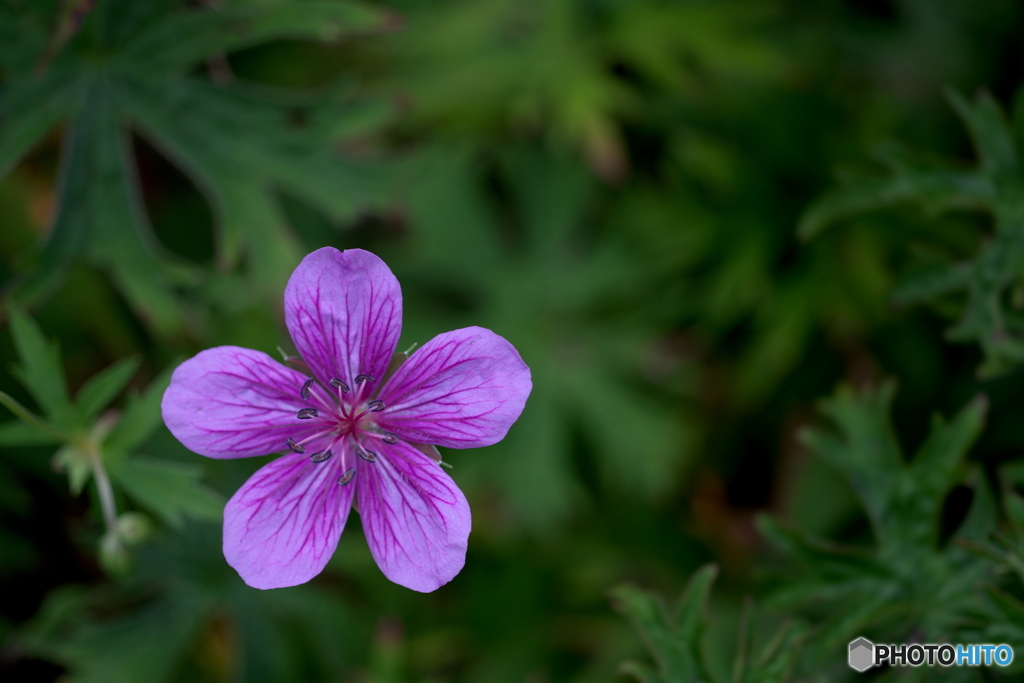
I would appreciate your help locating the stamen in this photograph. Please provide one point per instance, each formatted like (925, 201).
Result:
(375, 406)
(389, 438)
(368, 456)
(307, 413)
(322, 456)
(296, 448)
(338, 384)
(328, 406)
(305, 388)
(347, 477)
(318, 435)
(363, 378)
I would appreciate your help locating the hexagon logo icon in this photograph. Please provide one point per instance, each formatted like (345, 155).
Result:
(862, 654)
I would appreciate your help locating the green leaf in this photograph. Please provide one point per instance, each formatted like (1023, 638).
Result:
(996, 186)
(907, 577)
(76, 464)
(102, 388)
(990, 132)
(100, 215)
(171, 490)
(776, 659)
(827, 559)
(674, 640)
(140, 418)
(984, 513)
(865, 448)
(1011, 607)
(29, 110)
(41, 370)
(932, 284)
(36, 423)
(552, 193)
(18, 433)
(603, 406)
(1014, 505)
(936, 190)
(145, 643)
(240, 144)
(235, 149)
(213, 33)
(934, 469)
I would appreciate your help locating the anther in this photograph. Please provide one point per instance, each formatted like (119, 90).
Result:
(363, 378)
(368, 456)
(375, 406)
(307, 413)
(322, 456)
(305, 388)
(389, 438)
(338, 384)
(347, 477)
(296, 448)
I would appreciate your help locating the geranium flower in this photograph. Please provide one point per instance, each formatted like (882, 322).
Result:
(354, 435)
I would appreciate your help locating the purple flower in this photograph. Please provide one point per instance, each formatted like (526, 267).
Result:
(354, 434)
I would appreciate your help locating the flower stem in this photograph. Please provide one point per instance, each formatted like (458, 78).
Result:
(105, 490)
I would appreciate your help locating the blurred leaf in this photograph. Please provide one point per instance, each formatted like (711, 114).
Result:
(776, 659)
(161, 49)
(984, 513)
(30, 109)
(19, 433)
(140, 418)
(996, 187)
(236, 148)
(931, 284)
(907, 580)
(169, 489)
(41, 370)
(76, 464)
(144, 643)
(102, 388)
(240, 149)
(29, 418)
(673, 639)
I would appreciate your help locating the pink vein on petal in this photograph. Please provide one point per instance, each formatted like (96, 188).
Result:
(230, 402)
(463, 389)
(283, 525)
(344, 312)
(415, 518)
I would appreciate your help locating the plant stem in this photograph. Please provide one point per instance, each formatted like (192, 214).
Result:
(28, 417)
(105, 490)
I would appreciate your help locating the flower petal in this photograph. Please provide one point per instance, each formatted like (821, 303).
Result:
(415, 518)
(283, 525)
(463, 389)
(344, 312)
(230, 402)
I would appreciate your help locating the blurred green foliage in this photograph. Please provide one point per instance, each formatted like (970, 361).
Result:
(994, 280)
(616, 187)
(675, 640)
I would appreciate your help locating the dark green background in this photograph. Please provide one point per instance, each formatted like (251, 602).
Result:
(612, 185)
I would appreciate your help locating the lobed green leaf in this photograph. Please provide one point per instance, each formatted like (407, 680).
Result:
(41, 370)
(171, 490)
(103, 387)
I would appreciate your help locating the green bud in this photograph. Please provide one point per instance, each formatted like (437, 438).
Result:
(115, 558)
(133, 527)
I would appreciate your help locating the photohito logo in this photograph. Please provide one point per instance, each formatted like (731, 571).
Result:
(864, 654)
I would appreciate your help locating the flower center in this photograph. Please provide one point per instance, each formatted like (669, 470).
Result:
(345, 418)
